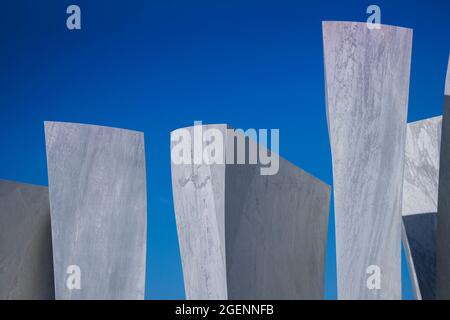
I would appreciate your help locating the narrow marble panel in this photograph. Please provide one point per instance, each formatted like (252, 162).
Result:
(367, 86)
(199, 202)
(420, 196)
(26, 265)
(275, 229)
(443, 233)
(97, 185)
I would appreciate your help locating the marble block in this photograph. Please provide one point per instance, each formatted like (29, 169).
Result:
(421, 171)
(97, 185)
(420, 197)
(443, 232)
(26, 265)
(244, 235)
(420, 193)
(367, 86)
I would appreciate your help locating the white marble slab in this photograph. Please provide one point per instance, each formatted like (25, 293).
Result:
(420, 197)
(247, 236)
(98, 205)
(367, 87)
(199, 202)
(26, 261)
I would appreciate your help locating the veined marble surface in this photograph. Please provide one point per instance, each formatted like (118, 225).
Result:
(247, 236)
(199, 203)
(367, 86)
(26, 263)
(420, 197)
(443, 233)
(98, 205)
(421, 171)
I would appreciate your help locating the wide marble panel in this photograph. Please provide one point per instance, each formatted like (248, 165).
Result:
(97, 185)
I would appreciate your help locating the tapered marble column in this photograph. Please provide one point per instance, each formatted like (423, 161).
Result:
(443, 237)
(420, 197)
(26, 265)
(244, 235)
(98, 205)
(367, 85)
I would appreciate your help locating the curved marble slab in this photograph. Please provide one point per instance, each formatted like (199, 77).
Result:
(199, 202)
(97, 185)
(243, 235)
(443, 233)
(420, 197)
(367, 86)
(26, 263)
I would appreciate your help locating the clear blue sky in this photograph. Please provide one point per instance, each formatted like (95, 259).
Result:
(158, 65)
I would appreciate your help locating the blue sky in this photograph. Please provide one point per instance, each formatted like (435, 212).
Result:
(155, 66)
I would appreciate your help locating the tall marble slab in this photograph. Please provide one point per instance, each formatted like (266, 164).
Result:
(97, 185)
(26, 265)
(419, 205)
(443, 233)
(367, 85)
(244, 235)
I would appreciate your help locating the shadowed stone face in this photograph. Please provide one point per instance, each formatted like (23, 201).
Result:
(244, 235)
(97, 185)
(420, 196)
(420, 240)
(26, 266)
(367, 86)
(443, 245)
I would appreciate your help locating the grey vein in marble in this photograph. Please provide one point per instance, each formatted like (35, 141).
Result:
(247, 236)
(443, 233)
(98, 205)
(367, 86)
(26, 265)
